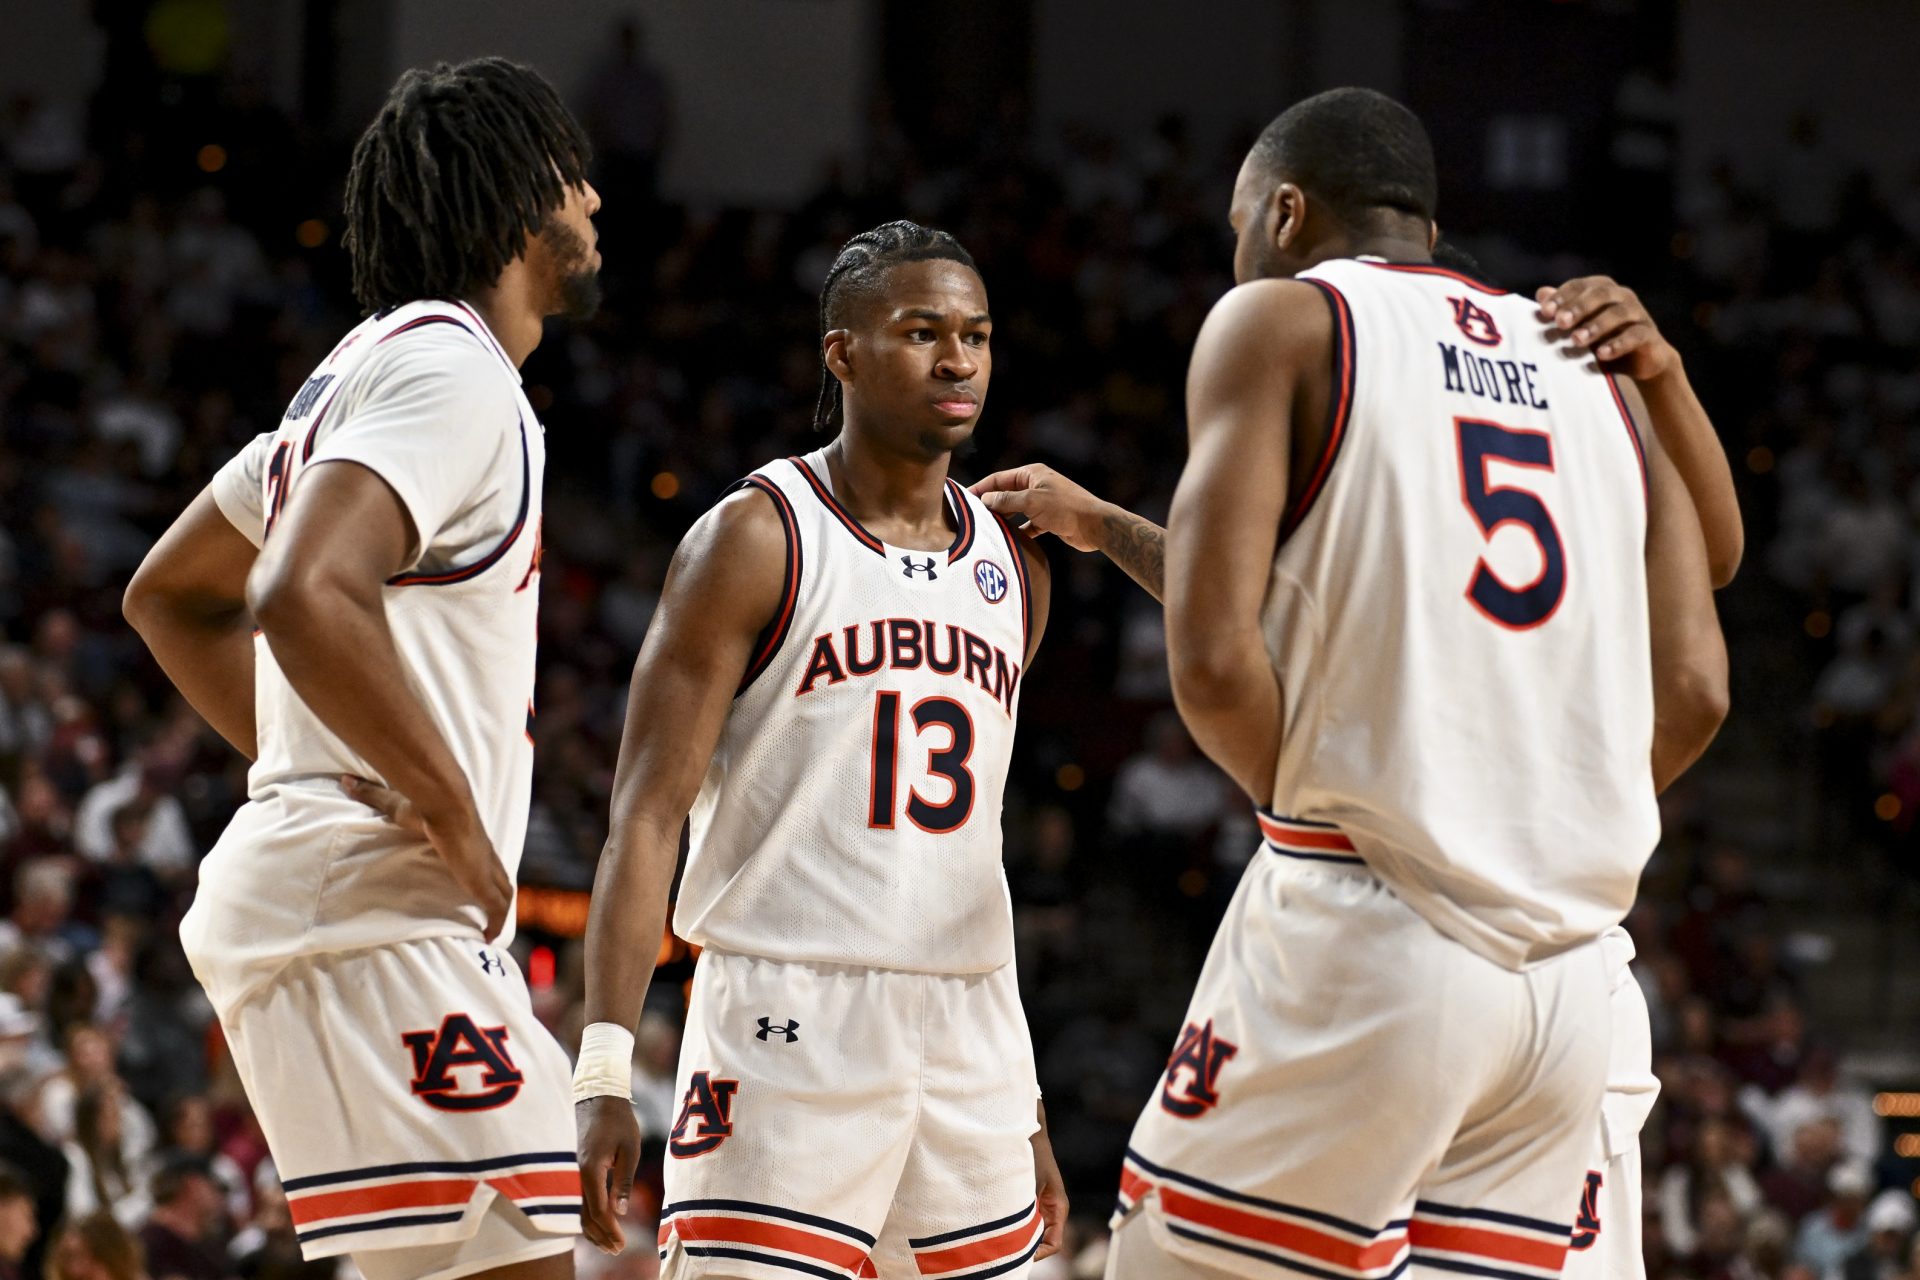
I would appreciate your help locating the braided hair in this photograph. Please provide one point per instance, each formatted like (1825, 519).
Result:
(856, 276)
(460, 166)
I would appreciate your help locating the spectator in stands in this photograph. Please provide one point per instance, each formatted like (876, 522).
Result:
(40, 1163)
(96, 1247)
(1819, 1094)
(89, 1065)
(188, 1133)
(100, 1170)
(188, 1209)
(1168, 791)
(42, 906)
(1797, 1185)
(150, 779)
(1890, 1221)
(1838, 1231)
(18, 1224)
(1714, 1170)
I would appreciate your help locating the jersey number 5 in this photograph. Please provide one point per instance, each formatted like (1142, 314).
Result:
(1516, 608)
(948, 762)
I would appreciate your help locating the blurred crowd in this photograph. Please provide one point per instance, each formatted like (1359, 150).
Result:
(162, 296)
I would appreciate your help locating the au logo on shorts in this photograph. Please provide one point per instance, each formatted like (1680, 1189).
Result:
(1191, 1087)
(438, 1055)
(1586, 1227)
(706, 1116)
(992, 581)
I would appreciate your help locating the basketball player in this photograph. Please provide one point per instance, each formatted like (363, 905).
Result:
(1481, 586)
(830, 687)
(1593, 315)
(351, 924)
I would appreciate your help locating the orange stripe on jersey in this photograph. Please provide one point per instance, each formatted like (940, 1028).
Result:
(545, 1184)
(1132, 1185)
(976, 1252)
(422, 1194)
(771, 1235)
(1304, 837)
(1487, 1244)
(1287, 1235)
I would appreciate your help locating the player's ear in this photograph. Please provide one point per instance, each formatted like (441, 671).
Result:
(833, 349)
(1286, 215)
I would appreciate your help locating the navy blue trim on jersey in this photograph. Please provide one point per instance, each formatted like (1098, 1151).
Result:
(1275, 1206)
(1494, 1215)
(1026, 587)
(769, 1259)
(480, 566)
(827, 500)
(999, 1269)
(1633, 433)
(767, 1211)
(1472, 1268)
(962, 517)
(963, 522)
(1011, 1220)
(381, 1224)
(1320, 1273)
(536, 1209)
(429, 1166)
(1429, 269)
(1338, 859)
(1340, 394)
(774, 634)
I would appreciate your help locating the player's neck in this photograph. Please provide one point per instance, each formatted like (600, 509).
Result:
(510, 310)
(876, 486)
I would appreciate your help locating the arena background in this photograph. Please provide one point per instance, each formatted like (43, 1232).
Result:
(170, 178)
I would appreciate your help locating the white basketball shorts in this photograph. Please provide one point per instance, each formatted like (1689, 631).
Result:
(842, 1122)
(1607, 1230)
(1355, 1094)
(419, 1115)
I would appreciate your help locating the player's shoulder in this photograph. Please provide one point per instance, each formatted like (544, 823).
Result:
(1262, 323)
(434, 344)
(752, 522)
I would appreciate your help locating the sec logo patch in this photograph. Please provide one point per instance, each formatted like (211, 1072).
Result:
(992, 581)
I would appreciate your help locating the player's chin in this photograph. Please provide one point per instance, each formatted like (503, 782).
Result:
(580, 295)
(946, 436)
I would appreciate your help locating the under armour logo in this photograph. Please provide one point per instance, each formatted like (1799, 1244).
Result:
(490, 963)
(791, 1031)
(913, 568)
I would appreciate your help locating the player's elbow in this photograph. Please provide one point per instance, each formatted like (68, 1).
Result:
(1693, 703)
(1723, 561)
(287, 595)
(1207, 671)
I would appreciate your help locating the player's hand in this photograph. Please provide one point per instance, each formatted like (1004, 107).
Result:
(459, 839)
(1050, 1190)
(1605, 319)
(609, 1146)
(1050, 502)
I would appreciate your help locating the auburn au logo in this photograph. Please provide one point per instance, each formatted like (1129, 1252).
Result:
(706, 1116)
(1586, 1227)
(1476, 322)
(1191, 1087)
(458, 1043)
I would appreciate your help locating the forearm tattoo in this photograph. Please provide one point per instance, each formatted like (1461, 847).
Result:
(1138, 546)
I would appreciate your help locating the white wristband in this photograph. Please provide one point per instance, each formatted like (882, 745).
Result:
(605, 1069)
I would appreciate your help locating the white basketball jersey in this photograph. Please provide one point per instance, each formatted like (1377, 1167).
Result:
(851, 813)
(1458, 616)
(424, 397)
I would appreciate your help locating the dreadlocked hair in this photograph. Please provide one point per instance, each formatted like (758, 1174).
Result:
(856, 276)
(460, 166)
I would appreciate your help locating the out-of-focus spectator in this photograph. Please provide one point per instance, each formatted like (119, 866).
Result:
(1890, 1222)
(188, 1133)
(100, 1168)
(1797, 1185)
(167, 845)
(39, 1162)
(19, 1226)
(96, 1247)
(1835, 1233)
(42, 907)
(1819, 1094)
(656, 1058)
(89, 1065)
(629, 118)
(188, 1210)
(1714, 1170)
(1167, 791)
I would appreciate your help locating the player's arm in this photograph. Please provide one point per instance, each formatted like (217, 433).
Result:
(1689, 653)
(1054, 504)
(188, 602)
(1249, 367)
(723, 587)
(1608, 320)
(317, 593)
